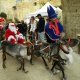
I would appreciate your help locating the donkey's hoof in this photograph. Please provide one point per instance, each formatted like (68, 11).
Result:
(55, 71)
(4, 66)
(31, 63)
(25, 71)
(18, 69)
(64, 78)
(47, 67)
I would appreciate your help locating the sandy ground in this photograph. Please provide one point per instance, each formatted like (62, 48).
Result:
(38, 70)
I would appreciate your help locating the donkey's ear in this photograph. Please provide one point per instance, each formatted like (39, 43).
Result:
(73, 42)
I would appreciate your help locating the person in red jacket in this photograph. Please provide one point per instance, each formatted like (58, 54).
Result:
(1, 22)
(2, 28)
(13, 35)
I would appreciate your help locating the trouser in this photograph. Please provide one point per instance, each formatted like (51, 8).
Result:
(41, 36)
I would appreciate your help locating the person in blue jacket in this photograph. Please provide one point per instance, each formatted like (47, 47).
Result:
(54, 33)
(53, 28)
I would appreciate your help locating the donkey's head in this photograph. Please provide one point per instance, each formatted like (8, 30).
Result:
(66, 52)
(71, 42)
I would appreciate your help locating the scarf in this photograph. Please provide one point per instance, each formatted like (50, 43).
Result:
(55, 27)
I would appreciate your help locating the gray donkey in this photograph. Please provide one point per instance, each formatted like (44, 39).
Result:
(19, 51)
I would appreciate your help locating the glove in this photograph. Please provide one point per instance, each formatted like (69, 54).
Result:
(19, 36)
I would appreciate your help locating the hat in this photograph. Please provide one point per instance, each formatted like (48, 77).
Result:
(51, 12)
(38, 15)
(1, 19)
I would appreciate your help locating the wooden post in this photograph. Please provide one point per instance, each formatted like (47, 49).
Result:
(78, 36)
(79, 48)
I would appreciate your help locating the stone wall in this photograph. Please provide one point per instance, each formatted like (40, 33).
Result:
(71, 17)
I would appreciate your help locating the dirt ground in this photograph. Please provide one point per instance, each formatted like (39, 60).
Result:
(38, 70)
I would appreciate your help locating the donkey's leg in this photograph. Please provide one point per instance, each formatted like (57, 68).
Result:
(23, 66)
(45, 62)
(55, 63)
(30, 53)
(31, 60)
(19, 59)
(62, 69)
(4, 59)
(53, 69)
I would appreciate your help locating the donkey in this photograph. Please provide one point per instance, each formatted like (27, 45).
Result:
(53, 52)
(40, 50)
(58, 61)
(19, 51)
(57, 56)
